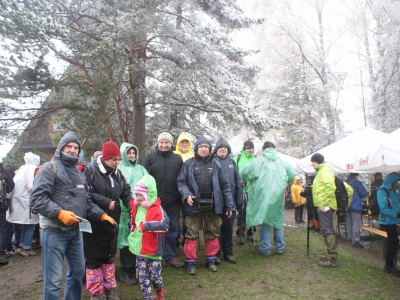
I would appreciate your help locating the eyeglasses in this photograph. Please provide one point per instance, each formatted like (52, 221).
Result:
(115, 159)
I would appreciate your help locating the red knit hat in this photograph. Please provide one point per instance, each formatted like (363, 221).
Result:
(110, 150)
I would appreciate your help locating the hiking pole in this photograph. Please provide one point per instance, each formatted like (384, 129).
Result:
(308, 222)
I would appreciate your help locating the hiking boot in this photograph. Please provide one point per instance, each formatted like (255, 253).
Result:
(251, 238)
(128, 277)
(217, 260)
(258, 251)
(317, 230)
(240, 239)
(174, 263)
(31, 252)
(98, 297)
(312, 227)
(17, 251)
(357, 245)
(211, 266)
(302, 221)
(323, 257)
(391, 270)
(3, 260)
(8, 254)
(332, 263)
(24, 253)
(110, 295)
(160, 294)
(230, 259)
(280, 252)
(190, 269)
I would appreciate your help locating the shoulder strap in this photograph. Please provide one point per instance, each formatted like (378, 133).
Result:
(387, 193)
(54, 168)
(152, 158)
(238, 159)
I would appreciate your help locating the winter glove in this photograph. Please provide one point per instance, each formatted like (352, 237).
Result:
(107, 218)
(67, 217)
(303, 194)
(398, 215)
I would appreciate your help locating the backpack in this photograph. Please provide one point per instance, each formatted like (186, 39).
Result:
(373, 202)
(342, 198)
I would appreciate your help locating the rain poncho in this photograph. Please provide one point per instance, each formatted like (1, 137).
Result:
(245, 158)
(295, 191)
(23, 180)
(268, 177)
(132, 172)
(188, 154)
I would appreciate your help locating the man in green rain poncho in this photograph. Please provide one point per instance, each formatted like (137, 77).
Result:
(267, 177)
(133, 172)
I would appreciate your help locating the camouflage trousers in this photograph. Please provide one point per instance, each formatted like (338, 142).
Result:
(212, 224)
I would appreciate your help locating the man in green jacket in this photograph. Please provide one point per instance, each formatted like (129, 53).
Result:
(323, 193)
(245, 156)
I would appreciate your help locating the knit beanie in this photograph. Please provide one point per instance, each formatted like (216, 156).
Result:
(248, 144)
(141, 189)
(165, 136)
(109, 150)
(318, 158)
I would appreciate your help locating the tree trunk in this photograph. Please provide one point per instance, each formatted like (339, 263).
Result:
(137, 93)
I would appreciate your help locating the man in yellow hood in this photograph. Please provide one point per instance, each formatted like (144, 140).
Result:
(297, 200)
(184, 147)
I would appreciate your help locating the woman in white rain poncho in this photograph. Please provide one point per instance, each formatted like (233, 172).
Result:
(19, 212)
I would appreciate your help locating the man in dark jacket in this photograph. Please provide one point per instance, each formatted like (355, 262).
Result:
(221, 152)
(203, 184)
(353, 215)
(164, 166)
(60, 194)
(377, 181)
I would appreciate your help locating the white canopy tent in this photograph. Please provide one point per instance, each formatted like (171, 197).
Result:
(384, 158)
(292, 161)
(340, 155)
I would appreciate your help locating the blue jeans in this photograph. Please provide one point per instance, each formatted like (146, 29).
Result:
(27, 231)
(58, 244)
(170, 249)
(265, 239)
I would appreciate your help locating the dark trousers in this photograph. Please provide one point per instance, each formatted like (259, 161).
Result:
(298, 213)
(241, 221)
(127, 258)
(95, 263)
(391, 243)
(225, 237)
(2, 224)
(17, 235)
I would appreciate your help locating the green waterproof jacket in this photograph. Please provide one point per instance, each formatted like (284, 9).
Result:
(267, 177)
(323, 188)
(245, 158)
(132, 172)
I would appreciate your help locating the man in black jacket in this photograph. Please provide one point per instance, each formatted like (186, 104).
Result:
(60, 194)
(203, 184)
(221, 154)
(164, 166)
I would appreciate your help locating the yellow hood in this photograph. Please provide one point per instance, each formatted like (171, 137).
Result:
(188, 154)
(295, 179)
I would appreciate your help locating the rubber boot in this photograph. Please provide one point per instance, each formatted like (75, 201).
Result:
(312, 224)
(317, 226)
(160, 294)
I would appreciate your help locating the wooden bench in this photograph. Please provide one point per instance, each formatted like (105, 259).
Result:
(383, 234)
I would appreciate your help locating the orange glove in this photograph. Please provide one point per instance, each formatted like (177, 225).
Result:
(67, 217)
(107, 218)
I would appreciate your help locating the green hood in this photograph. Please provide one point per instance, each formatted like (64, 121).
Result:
(132, 173)
(149, 182)
(270, 153)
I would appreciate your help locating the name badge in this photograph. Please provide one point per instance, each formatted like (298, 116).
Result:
(80, 186)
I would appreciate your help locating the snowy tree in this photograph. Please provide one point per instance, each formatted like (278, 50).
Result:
(135, 67)
(299, 85)
(376, 26)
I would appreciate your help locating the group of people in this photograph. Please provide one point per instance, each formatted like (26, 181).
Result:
(137, 209)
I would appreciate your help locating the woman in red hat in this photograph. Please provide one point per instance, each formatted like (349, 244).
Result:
(108, 185)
